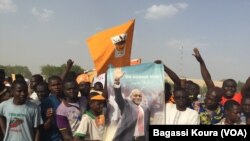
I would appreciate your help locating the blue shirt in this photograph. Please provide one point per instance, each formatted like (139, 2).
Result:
(53, 133)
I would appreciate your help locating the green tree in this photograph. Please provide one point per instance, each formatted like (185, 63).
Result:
(75, 68)
(49, 70)
(23, 70)
(239, 85)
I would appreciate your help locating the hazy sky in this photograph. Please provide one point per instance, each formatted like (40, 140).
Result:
(39, 32)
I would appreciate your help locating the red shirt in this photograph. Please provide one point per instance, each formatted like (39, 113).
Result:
(237, 97)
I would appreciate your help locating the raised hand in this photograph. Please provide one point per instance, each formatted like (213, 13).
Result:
(49, 113)
(204, 71)
(70, 63)
(197, 55)
(67, 69)
(118, 74)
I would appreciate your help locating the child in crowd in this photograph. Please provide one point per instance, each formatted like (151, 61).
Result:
(23, 117)
(48, 110)
(91, 127)
(68, 114)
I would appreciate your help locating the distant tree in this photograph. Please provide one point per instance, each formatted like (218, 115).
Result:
(75, 68)
(239, 86)
(23, 70)
(49, 70)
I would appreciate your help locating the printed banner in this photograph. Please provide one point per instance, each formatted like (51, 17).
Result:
(149, 79)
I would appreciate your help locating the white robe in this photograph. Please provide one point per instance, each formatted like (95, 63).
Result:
(176, 117)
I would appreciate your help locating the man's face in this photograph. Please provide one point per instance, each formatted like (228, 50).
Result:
(211, 101)
(33, 83)
(98, 86)
(20, 93)
(136, 98)
(230, 88)
(42, 92)
(246, 106)
(234, 114)
(71, 90)
(97, 106)
(193, 91)
(181, 98)
(55, 86)
(84, 88)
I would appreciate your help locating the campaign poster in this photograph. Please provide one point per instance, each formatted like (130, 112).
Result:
(149, 79)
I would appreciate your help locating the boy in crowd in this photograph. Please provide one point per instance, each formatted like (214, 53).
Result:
(34, 81)
(23, 117)
(84, 84)
(48, 110)
(68, 114)
(91, 128)
(232, 114)
(211, 111)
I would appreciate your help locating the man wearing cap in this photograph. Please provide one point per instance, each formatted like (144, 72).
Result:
(134, 122)
(84, 84)
(84, 89)
(92, 125)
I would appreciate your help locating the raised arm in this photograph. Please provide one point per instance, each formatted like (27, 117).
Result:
(67, 69)
(174, 77)
(118, 74)
(204, 72)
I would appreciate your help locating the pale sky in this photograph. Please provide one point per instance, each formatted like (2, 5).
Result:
(39, 32)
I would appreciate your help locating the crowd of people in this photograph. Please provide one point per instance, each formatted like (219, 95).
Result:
(70, 108)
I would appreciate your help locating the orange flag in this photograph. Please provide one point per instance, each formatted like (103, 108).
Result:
(112, 46)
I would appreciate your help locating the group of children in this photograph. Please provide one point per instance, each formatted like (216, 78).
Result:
(57, 110)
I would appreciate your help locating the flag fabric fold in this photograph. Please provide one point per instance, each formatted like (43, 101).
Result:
(112, 46)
